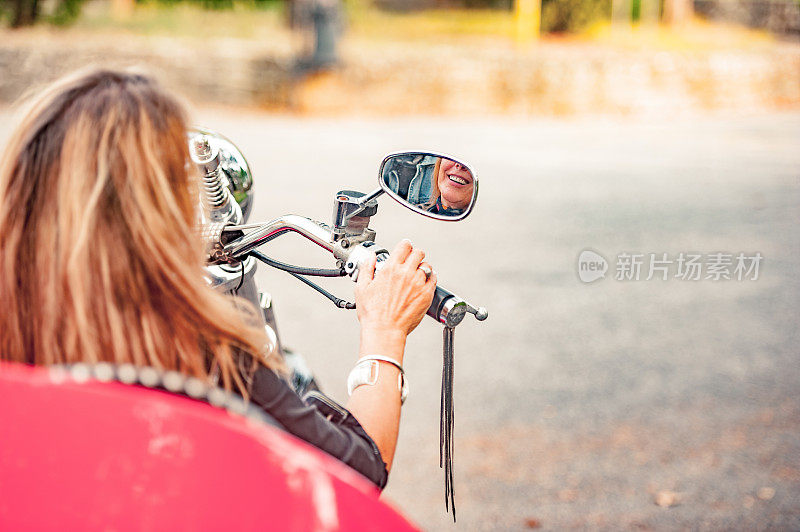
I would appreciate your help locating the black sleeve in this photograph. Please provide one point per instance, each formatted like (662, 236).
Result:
(321, 422)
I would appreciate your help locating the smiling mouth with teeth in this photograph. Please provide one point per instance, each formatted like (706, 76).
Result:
(458, 179)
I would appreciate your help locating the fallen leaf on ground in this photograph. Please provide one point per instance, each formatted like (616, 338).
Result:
(766, 493)
(667, 498)
(567, 495)
(532, 522)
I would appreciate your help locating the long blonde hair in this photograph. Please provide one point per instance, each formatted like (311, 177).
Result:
(99, 256)
(434, 186)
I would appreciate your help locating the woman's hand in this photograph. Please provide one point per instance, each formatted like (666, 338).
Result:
(396, 299)
(390, 305)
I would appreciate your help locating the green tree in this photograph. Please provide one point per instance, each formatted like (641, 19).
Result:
(27, 12)
(22, 12)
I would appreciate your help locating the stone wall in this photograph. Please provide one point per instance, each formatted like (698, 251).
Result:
(551, 78)
(231, 74)
(779, 16)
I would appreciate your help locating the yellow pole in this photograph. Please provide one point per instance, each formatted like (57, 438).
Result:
(527, 18)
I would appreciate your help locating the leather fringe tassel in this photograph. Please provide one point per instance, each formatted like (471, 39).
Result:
(446, 416)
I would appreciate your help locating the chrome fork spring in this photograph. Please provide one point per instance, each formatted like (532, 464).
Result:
(214, 190)
(207, 160)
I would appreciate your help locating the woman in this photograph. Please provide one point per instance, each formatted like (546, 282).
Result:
(452, 188)
(100, 262)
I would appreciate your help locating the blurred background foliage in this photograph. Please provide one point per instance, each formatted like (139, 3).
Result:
(573, 15)
(409, 18)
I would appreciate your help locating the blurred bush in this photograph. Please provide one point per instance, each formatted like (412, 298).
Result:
(573, 15)
(557, 15)
(19, 13)
(66, 12)
(214, 4)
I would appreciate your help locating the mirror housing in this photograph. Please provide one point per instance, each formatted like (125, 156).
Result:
(432, 184)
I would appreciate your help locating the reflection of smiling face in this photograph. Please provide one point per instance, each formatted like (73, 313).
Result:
(455, 184)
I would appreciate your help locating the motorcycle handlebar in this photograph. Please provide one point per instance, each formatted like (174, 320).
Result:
(446, 307)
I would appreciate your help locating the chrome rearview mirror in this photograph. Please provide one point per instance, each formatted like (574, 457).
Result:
(431, 184)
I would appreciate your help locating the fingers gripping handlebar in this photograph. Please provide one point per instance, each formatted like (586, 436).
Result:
(446, 307)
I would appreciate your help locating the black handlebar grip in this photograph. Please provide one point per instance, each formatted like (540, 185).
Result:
(439, 298)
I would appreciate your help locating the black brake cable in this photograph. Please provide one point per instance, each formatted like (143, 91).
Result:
(298, 271)
(341, 303)
(316, 272)
(241, 277)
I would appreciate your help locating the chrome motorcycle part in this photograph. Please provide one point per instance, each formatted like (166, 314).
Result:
(447, 308)
(356, 256)
(302, 378)
(233, 168)
(211, 234)
(226, 278)
(268, 312)
(317, 232)
(480, 313)
(429, 183)
(452, 312)
(218, 203)
(351, 213)
(240, 228)
(207, 160)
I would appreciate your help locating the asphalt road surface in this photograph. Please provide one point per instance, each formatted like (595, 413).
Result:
(617, 404)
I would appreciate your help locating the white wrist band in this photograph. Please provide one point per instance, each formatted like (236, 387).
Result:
(366, 372)
(380, 358)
